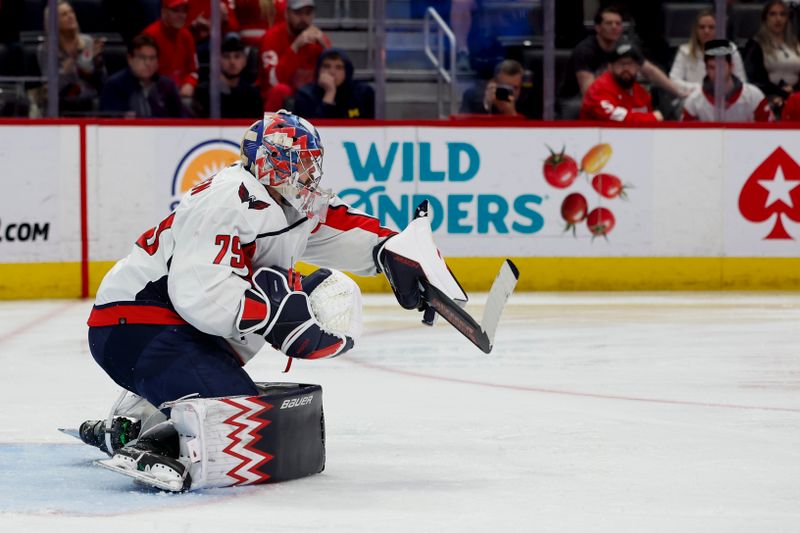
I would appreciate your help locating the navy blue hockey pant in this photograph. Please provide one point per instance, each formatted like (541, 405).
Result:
(164, 363)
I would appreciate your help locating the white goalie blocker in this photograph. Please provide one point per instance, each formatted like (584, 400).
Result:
(415, 243)
(414, 251)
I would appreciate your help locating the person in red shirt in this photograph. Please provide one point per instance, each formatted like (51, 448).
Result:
(791, 109)
(178, 57)
(258, 16)
(289, 54)
(616, 95)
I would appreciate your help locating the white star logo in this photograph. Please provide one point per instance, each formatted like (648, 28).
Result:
(779, 189)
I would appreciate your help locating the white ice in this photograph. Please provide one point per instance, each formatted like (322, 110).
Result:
(673, 412)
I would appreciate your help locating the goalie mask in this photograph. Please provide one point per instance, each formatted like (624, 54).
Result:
(284, 152)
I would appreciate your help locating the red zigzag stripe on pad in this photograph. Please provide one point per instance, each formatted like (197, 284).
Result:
(241, 434)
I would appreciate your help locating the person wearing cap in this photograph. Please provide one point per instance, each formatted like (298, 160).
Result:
(335, 94)
(178, 57)
(616, 95)
(744, 102)
(591, 58)
(238, 98)
(289, 54)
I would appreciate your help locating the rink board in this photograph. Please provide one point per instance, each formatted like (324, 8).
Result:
(706, 208)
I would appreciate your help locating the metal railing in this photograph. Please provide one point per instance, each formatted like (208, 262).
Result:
(444, 74)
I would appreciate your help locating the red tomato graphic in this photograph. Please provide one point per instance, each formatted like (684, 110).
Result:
(609, 186)
(573, 210)
(600, 221)
(560, 170)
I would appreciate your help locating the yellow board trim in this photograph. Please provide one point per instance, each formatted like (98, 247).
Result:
(40, 280)
(62, 280)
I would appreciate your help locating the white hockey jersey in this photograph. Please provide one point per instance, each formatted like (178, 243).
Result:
(746, 103)
(195, 265)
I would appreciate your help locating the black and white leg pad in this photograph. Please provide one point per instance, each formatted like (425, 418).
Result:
(244, 440)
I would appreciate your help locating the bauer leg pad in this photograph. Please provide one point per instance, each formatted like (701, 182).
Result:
(242, 440)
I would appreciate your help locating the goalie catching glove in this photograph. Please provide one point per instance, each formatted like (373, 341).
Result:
(320, 318)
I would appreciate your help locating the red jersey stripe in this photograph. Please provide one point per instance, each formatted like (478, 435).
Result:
(134, 314)
(340, 218)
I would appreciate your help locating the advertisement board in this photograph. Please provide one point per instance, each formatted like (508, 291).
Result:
(40, 200)
(762, 194)
(577, 206)
(516, 191)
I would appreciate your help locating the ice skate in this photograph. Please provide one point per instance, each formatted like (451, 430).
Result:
(152, 460)
(123, 431)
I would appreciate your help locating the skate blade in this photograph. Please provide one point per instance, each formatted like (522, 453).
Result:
(72, 432)
(144, 478)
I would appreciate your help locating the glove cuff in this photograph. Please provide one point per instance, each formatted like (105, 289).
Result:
(253, 311)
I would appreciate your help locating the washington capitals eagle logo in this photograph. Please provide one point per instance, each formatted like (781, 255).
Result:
(250, 199)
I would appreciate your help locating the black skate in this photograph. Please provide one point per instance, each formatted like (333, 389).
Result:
(123, 431)
(152, 460)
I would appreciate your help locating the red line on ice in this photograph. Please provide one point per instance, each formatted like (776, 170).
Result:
(541, 390)
(42, 319)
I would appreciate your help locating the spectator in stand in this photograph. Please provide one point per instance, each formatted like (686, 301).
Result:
(791, 109)
(178, 57)
(689, 67)
(744, 102)
(81, 72)
(335, 94)
(289, 54)
(198, 18)
(461, 21)
(139, 91)
(772, 57)
(238, 98)
(591, 57)
(616, 95)
(257, 16)
(501, 94)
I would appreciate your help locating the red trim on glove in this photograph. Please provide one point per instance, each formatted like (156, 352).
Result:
(325, 352)
(254, 310)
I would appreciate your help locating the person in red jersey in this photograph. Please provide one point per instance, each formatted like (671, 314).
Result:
(744, 102)
(791, 109)
(615, 95)
(178, 57)
(289, 54)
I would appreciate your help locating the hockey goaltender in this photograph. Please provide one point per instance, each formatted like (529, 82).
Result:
(202, 292)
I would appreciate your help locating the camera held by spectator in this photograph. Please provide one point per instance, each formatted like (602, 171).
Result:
(501, 94)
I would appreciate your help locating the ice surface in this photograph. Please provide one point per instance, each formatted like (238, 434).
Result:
(674, 412)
